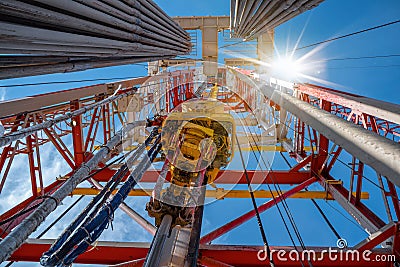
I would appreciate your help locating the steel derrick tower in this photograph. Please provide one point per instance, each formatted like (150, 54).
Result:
(190, 133)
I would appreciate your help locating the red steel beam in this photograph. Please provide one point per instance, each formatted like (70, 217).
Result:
(249, 215)
(336, 154)
(40, 101)
(6, 150)
(61, 149)
(31, 163)
(209, 262)
(360, 104)
(248, 256)
(91, 133)
(112, 253)
(77, 135)
(301, 164)
(227, 177)
(395, 199)
(361, 213)
(323, 144)
(386, 232)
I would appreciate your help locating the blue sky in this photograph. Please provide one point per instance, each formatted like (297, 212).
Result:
(376, 78)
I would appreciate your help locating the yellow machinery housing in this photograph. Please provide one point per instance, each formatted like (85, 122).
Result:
(196, 139)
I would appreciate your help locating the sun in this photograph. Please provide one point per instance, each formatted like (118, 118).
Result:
(286, 68)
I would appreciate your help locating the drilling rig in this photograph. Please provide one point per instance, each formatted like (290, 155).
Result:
(191, 132)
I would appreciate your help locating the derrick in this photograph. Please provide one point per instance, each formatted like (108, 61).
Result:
(191, 134)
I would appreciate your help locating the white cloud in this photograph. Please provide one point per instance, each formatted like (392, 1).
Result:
(3, 93)
(18, 188)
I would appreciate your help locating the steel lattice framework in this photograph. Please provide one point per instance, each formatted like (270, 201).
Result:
(315, 165)
(310, 124)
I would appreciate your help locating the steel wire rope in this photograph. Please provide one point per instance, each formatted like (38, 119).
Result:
(269, 167)
(53, 223)
(364, 67)
(344, 216)
(283, 200)
(26, 209)
(61, 216)
(279, 210)
(98, 201)
(317, 206)
(250, 189)
(113, 205)
(357, 58)
(349, 34)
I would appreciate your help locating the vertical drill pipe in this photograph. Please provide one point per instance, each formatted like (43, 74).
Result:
(153, 257)
(232, 13)
(194, 240)
(278, 21)
(281, 9)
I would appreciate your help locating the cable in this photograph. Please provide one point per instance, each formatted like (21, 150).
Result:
(326, 219)
(95, 204)
(119, 160)
(365, 67)
(26, 210)
(239, 42)
(332, 39)
(260, 225)
(277, 187)
(317, 206)
(347, 218)
(362, 57)
(283, 200)
(348, 35)
(60, 217)
(22, 212)
(62, 82)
